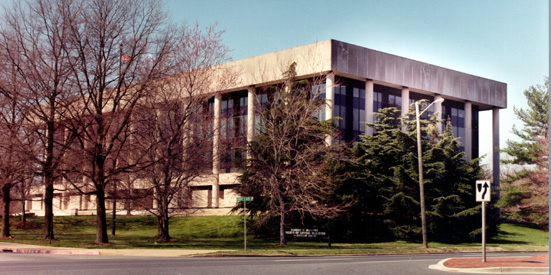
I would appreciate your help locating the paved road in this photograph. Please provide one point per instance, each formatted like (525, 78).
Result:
(13, 263)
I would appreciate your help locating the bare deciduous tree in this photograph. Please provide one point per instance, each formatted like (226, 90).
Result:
(83, 68)
(24, 189)
(287, 158)
(10, 163)
(33, 37)
(117, 49)
(176, 131)
(15, 142)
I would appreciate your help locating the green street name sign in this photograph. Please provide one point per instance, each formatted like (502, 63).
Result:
(244, 198)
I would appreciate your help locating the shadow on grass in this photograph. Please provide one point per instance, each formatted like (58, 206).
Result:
(517, 234)
(225, 233)
(502, 241)
(503, 237)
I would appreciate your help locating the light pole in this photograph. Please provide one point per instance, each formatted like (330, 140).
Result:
(420, 157)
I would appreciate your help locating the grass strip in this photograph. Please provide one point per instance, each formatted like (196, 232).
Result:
(226, 233)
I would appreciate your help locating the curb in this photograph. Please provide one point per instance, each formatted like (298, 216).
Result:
(54, 251)
(524, 270)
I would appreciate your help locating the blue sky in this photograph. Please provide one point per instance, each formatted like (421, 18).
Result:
(505, 40)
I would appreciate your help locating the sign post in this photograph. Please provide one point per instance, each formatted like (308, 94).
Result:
(483, 194)
(244, 200)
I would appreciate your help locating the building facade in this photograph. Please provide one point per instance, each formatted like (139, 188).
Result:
(357, 83)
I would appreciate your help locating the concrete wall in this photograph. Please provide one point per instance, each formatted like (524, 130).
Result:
(311, 59)
(361, 62)
(69, 202)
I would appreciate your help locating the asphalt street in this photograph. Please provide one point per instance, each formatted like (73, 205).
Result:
(15, 263)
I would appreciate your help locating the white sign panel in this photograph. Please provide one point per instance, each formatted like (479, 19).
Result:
(483, 190)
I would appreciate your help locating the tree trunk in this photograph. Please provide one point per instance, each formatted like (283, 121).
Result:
(162, 218)
(23, 214)
(6, 199)
(282, 239)
(98, 176)
(49, 181)
(101, 219)
(162, 221)
(23, 201)
(128, 205)
(48, 211)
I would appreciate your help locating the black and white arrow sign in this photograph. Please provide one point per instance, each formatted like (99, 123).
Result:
(483, 190)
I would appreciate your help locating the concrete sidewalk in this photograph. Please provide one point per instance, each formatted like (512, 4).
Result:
(25, 248)
(525, 265)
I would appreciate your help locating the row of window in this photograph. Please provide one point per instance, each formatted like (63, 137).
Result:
(348, 104)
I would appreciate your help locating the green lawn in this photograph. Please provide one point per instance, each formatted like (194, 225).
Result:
(226, 233)
(520, 237)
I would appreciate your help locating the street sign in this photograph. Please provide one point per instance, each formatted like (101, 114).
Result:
(244, 198)
(483, 190)
(483, 194)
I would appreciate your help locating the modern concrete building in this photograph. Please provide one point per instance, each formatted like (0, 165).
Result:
(358, 82)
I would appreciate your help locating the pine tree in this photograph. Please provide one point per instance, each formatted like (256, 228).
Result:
(525, 192)
(375, 188)
(450, 187)
(389, 193)
(535, 122)
(388, 167)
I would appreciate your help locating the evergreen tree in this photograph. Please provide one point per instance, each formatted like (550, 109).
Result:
(386, 193)
(388, 167)
(535, 122)
(449, 185)
(525, 192)
(371, 181)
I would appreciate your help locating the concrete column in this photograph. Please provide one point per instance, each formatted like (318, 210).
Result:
(438, 109)
(86, 168)
(468, 141)
(369, 98)
(80, 202)
(250, 113)
(187, 136)
(405, 105)
(329, 83)
(215, 150)
(155, 202)
(250, 116)
(495, 151)
(66, 135)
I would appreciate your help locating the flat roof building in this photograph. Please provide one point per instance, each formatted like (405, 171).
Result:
(379, 80)
(358, 83)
